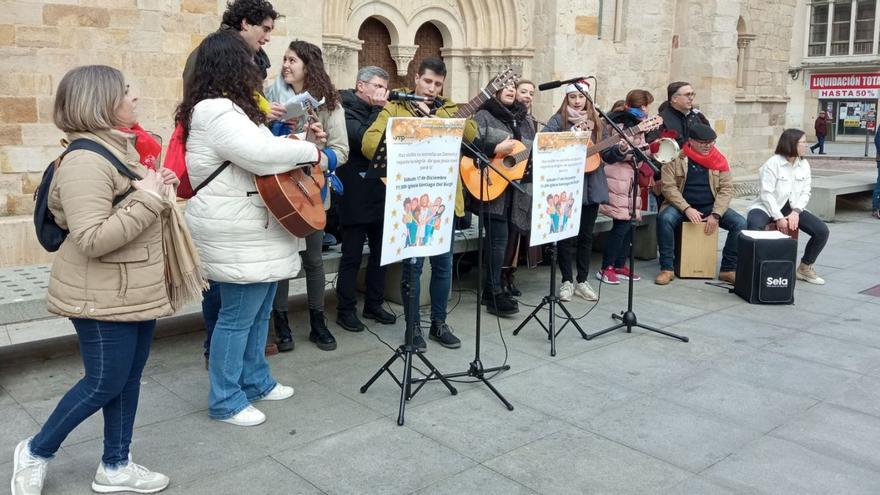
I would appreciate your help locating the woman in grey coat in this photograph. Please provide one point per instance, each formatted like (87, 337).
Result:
(500, 121)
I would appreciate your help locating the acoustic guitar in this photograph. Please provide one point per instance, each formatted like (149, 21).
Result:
(294, 197)
(514, 165)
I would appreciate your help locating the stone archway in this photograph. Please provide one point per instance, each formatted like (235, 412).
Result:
(374, 50)
(429, 39)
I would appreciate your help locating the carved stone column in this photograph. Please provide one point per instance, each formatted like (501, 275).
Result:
(340, 54)
(473, 64)
(742, 45)
(403, 55)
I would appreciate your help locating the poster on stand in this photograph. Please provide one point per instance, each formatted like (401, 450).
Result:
(422, 174)
(558, 175)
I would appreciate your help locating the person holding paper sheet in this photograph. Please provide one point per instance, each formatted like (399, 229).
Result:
(500, 120)
(785, 193)
(698, 187)
(576, 112)
(303, 71)
(428, 83)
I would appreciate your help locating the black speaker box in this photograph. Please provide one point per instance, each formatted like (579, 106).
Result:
(765, 270)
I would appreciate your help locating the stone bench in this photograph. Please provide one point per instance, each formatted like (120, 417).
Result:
(825, 190)
(24, 318)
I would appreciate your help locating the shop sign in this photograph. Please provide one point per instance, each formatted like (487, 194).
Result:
(845, 81)
(849, 93)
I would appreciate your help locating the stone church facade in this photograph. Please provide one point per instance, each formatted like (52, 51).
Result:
(736, 54)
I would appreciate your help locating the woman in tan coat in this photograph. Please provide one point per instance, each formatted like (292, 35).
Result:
(109, 277)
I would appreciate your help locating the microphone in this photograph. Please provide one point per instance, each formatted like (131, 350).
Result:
(555, 84)
(398, 96)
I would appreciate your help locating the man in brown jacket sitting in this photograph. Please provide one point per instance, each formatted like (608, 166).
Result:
(697, 186)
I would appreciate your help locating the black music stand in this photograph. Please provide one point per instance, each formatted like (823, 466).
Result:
(628, 318)
(377, 170)
(476, 369)
(552, 300)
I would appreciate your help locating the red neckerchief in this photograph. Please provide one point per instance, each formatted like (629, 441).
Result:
(146, 145)
(713, 161)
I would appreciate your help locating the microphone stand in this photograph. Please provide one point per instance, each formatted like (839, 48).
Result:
(628, 318)
(476, 369)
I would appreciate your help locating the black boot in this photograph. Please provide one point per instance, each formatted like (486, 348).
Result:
(283, 334)
(320, 334)
(499, 304)
(507, 282)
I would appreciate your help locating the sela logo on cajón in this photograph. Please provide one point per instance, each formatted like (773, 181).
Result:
(779, 282)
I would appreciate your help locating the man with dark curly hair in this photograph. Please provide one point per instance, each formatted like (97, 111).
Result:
(254, 21)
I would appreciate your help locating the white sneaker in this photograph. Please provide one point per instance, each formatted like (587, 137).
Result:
(280, 392)
(249, 416)
(28, 471)
(129, 478)
(584, 290)
(565, 291)
(808, 274)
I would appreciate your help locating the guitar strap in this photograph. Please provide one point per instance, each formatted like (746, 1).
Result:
(211, 177)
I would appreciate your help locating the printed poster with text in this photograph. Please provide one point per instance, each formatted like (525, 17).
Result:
(558, 174)
(420, 198)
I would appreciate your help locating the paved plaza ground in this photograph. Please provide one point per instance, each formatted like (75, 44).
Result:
(764, 399)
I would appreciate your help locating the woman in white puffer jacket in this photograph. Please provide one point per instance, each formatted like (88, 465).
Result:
(243, 248)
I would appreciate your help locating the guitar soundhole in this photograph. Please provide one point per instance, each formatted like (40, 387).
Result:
(508, 161)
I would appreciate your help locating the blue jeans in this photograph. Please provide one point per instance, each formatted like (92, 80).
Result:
(820, 143)
(114, 355)
(210, 310)
(875, 200)
(670, 218)
(237, 365)
(441, 283)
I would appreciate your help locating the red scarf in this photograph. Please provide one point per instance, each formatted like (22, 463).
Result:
(146, 145)
(713, 161)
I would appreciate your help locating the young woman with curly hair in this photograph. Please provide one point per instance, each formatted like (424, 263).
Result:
(303, 71)
(244, 250)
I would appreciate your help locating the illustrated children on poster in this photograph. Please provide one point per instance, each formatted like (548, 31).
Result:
(557, 171)
(421, 219)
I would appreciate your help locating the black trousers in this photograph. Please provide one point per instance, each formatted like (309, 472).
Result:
(809, 223)
(353, 237)
(582, 244)
(494, 247)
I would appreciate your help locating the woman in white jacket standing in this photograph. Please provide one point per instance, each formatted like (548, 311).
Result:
(243, 248)
(785, 191)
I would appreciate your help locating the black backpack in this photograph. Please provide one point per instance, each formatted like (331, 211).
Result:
(49, 233)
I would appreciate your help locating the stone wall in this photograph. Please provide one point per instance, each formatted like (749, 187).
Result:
(148, 40)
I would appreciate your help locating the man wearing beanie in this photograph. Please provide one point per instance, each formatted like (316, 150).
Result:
(697, 186)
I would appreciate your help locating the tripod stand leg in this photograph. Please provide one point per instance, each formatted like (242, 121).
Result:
(572, 320)
(534, 314)
(405, 386)
(496, 392)
(385, 367)
(551, 331)
(436, 374)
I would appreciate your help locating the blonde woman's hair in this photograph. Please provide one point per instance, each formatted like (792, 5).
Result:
(87, 98)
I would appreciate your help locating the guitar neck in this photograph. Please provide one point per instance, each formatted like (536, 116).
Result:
(610, 141)
(470, 108)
